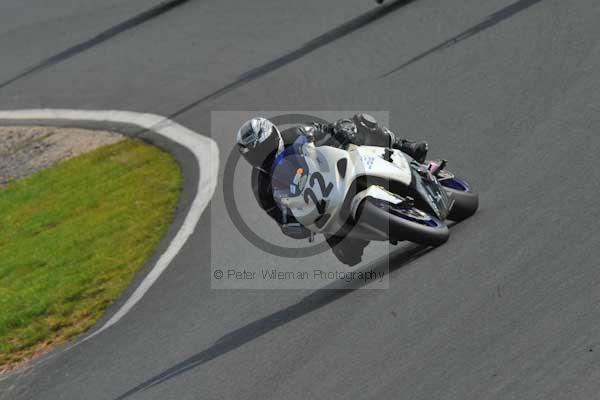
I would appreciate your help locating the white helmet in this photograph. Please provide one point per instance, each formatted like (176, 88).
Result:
(258, 139)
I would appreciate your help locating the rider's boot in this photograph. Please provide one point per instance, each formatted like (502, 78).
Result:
(417, 150)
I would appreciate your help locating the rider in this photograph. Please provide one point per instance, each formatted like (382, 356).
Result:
(260, 142)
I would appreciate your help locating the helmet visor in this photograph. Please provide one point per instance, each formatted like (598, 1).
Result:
(257, 152)
(249, 136)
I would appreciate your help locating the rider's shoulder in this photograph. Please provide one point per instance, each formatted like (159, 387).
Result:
(289, 136)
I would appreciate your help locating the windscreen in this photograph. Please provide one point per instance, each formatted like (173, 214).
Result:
(290, 171)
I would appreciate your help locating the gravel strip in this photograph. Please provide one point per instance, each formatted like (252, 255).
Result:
(26, 150)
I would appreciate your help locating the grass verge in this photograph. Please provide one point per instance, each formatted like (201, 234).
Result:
(73, 236)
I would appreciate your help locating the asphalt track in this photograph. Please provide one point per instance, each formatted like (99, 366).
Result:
(507, 90)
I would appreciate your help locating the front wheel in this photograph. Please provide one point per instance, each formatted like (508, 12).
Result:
(401, 223)
(466, 201)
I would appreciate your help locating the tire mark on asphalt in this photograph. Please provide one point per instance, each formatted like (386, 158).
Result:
(100, 38)
(489, 22)
(254, 330)
(314, 44)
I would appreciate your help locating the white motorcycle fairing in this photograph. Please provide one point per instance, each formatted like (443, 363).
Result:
(369, 193)
(331, 172)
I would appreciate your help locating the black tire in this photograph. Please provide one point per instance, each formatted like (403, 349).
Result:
(465, 204)
(373, 214)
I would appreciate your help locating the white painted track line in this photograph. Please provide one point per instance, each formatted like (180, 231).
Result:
(204, 149)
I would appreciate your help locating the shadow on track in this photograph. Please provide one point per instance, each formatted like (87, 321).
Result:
(98, 39)
(489, 22)
(245, 334)
(316, 43)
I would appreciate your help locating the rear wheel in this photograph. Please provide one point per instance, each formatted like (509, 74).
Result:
(402, 223)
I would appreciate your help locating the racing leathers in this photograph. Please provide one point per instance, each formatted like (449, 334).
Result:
(361, 129)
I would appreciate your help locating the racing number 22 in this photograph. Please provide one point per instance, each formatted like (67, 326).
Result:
(309, 194)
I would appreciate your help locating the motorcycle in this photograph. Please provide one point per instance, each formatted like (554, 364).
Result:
(369, 193)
